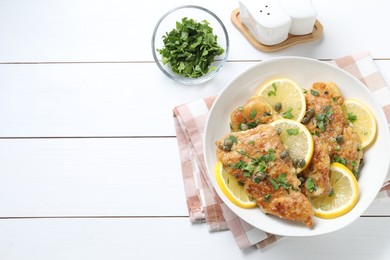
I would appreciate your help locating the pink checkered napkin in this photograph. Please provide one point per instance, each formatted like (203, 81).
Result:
(203, 203)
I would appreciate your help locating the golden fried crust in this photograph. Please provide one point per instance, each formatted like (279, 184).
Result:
(254, 112)
(318, 169)
(349, 152)
(328, 90)
(326, 100)
(295, 206)
(262, 144)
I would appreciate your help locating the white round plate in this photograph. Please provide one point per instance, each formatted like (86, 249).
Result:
(305, 72)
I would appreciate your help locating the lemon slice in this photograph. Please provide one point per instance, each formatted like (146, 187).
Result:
(297, 140)
(286, 97)
(232, 189)
(361, 119)
(342, 198)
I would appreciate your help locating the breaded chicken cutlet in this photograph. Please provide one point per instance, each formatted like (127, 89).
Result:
(254, 159)
(334, 140)
(253, 113)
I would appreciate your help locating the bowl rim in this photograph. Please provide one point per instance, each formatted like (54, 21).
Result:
(202, 79)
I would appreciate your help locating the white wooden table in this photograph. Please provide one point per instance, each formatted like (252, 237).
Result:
(88, 171)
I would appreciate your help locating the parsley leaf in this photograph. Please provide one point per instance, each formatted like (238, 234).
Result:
(351, 117)
(253, 124)
(287, 114)
(274, 184)
(292, 131)
(322, 118)
(267, 197)
(273, 92)
(253, 114)
(314, 92)
(282, 180)
(341, 160)
(310, 185)
(233, 138)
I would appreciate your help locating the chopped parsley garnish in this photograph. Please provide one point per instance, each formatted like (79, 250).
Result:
(247, 174)
(233, 138)
(323, 118)
(338, 159)
(316, 133)
(270, 157)
(273, 92)
(292, 131)
(253, 124)
(282, 180)
(190, 48)
(314, 92)
(261, 167)
(351, 117)
(274, 184)
(287, 114)
(253, 114)
(353, 164)
(242, 152)
(267, 197)
(240, 165)
(310, 185)
(257, 166)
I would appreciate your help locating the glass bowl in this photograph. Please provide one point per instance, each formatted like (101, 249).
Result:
(168, 22)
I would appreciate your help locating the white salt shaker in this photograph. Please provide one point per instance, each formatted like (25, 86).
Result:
(271, 21)
(303, 15)
(266, 20)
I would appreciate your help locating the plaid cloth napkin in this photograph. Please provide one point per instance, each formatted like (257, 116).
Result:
(203, 203)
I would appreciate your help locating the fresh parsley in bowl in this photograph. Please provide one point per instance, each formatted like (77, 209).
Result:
(190, 44)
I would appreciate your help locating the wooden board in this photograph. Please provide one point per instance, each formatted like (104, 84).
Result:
(291, 39)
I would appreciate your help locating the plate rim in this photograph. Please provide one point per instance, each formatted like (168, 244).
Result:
(380, 117)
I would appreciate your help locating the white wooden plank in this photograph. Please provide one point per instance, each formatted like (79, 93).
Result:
(95, 99)
(175, 238)
(90, 177)
(100, 99)
(120, 30)
(95, 177)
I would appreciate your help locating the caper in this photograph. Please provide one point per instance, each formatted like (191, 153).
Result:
(278, 106)
(305, 120)
(310, 113)
(340, 139)
(244, 127)
(278, 130)
(295, 163)
(284, 154)
(261, 175)
(228, 142)
(301, 179)
(301, 163)
(226, 148)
